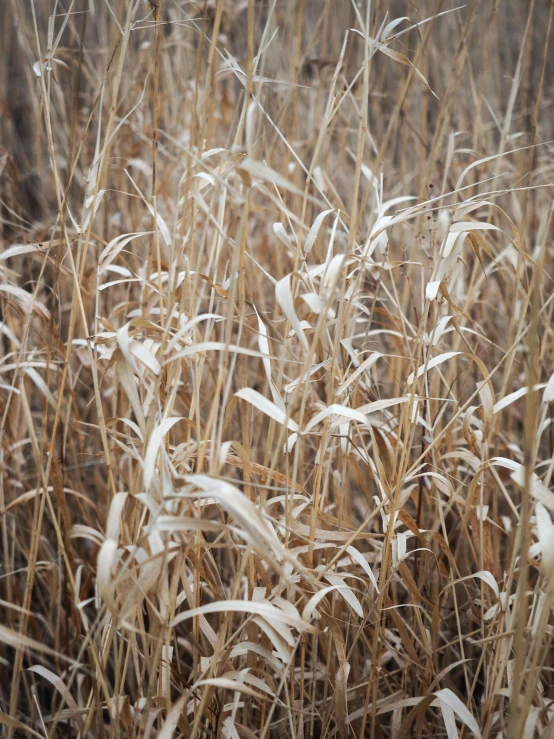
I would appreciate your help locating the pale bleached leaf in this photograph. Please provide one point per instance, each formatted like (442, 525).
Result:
(42, 386)
(347, 593)
(229, 730)
(537, 488)
(114, 516)
(262, 172)
(127, 379)
(279, 635)
(545, 535)
(153, 448)
(432, 363)
(16, 640)
(472, 226)
(398, 57)
(432, 289)
(487, 577)
(114, 247)
(266, 406)
(381, 405)
(207, 346)
(282, 235)
(512, 397)
(168, 729)
(440, 329)
(162, 225)
(289, 388)
(333, 269)
(107, 558)
(449, 718)
(263, 343)
(283, 294)
(124, 342)
(184, 523)
(314, 302)
(341, 411)
(25, 300)
(264, 609)
(17, 250)
(314, 230)
(243, 511)
(365, 366)
(548, 395)
(315, 600)
(451, 700)
(57, 682)
(360, 559)
(139, 351)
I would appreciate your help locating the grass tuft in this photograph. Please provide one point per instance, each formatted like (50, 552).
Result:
(276, 369)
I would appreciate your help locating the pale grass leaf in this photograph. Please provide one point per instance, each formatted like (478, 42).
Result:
(271, 614)
(432, 289)
(266, 406)
(25, 300)
(545, 535)
(229, 729)
(488, 578)
(383, 404)
(153, 448)
(315, 600)
(42, 386)
(451, 700)
(57, 682)
(266, 174)
(365, 366)
(263, 343)
(340, 411)
(347, 593)
(115, 246)
(472, 226)
(16, 640)
(284, 297)
(138, 350)
(172, 719)
(207, 346)
(449, 719)
(279, 635)
(360, 559)
(244, 512)
(537, 488)
(15, 724)
(115, 516)
(282, 235)
(512, 397)
(17, 250)
(548, 395)
(432, 363)
(107, 558)
(314, 230)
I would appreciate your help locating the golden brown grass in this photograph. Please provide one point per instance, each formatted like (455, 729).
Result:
(276, 371)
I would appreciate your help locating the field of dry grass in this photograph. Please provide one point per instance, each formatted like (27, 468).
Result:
(276, 369)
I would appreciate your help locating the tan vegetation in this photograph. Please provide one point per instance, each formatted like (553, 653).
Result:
(276, 369)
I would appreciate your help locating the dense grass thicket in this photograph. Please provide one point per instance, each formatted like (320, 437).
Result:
(276, 369)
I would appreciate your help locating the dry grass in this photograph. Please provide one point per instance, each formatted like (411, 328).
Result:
(276, 389)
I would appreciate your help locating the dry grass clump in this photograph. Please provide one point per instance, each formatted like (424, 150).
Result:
(276, 381)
